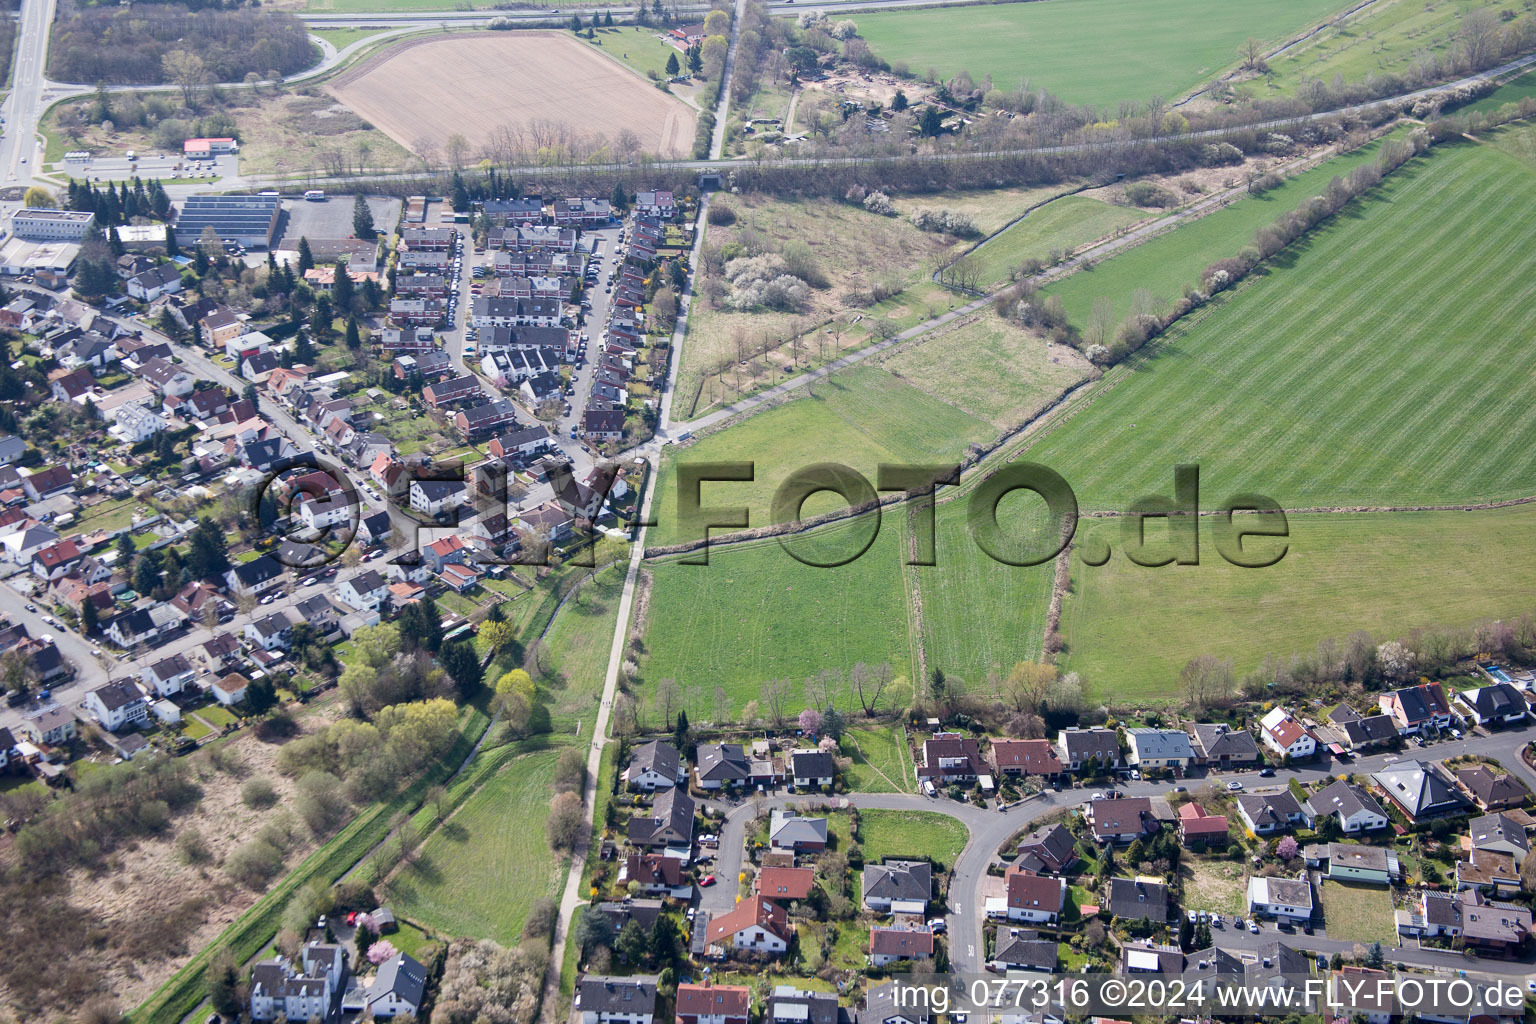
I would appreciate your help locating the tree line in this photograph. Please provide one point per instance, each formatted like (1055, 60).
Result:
(172, 44)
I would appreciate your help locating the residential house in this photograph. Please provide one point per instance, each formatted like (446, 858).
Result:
(57, 560)
(786, 885)
(1121, 821)
(755, 926)
(46, 482)
(1488, 871)
(1430, 914)
(1283, 733)
(483, 420)
(445, 551)
(1360, 732)
(298, 992)
(1035, 899)
(793, 832)
(812, 768)
(522, 443)
(144, 625)
(643, 912)
(367, 590)
(1048, 850)
(1159, 748)
(789, 1005)
(1500, 833)
(271, 632)
(454, 389)
(1419, 790)
(951, 759)
(1026, 757)
(219, 652)
(135, 424)
(229, 689)
(712, 1004)
(602, 423)
(660, 204)
(654, 765)
(1199, 828)
(1018, 949)
(888, 945)
(51, 725)
(883, 1004)
(1131, 899)
(437, 497)
(1354, 808)
(117, 706)
(253, 577)
(1493, 928)
(1218, 745)
(167, 378)
(219, 325)
(1491, 790)
(1351, 862)
(168, 676)
(389, 474)
(722, 765)
(149, 285)
(399, 987)
(1288, 899)
(374, 529)
(670, 824)
(1417, 708)
(898, 886)
(1267, 813)
(1498, 704)
(656, 875)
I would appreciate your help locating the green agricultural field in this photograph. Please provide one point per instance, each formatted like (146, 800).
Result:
(859, 418)
(881, 761)
(480, 872)
(755, 614)
(991, 368)
(1387, 37)
(1088, 51)
(1062, 226)
(1130, 629)
(980, 615)
(915, 834)
(1381, 361)
(1164, 265)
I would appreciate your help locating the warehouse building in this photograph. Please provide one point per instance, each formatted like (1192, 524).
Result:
(249, 220)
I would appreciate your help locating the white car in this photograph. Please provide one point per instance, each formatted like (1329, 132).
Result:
(1253, 927)
(1135, 775)
(1234, 786)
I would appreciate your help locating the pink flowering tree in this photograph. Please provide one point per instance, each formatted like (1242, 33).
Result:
(381, 951)
(810, 720)
(1286, 848)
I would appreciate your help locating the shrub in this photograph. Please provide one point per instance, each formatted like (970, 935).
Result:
(255, 863)
(948, 221)
(879, 202)
(258, 793)
(720, 214)
(1144, 193)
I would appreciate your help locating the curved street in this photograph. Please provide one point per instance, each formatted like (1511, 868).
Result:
(990, 829)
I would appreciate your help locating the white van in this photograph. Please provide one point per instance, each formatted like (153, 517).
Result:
(928, 789)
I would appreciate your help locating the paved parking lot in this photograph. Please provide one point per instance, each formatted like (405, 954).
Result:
(330, 218)
(119, 168)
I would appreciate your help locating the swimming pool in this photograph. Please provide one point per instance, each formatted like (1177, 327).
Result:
(1498, 674)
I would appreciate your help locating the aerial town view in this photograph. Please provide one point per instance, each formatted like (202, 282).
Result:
(767, 511)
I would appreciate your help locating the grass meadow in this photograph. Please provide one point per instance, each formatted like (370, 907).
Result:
(1387, 37)
(1130, 629)
(881, 761)
(480, 872)
(754, 614)
(1062, 226)
(1512, 91)
(1087, 51)
(915, 834)
(1165, 264)
(1380, 361)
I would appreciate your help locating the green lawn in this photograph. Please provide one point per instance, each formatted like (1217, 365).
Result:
(1358, 913)
(1381, 361)
(1164, 265)
(754, 613)
(216, 715)
(479, 873)
(1061, 227)
(638, 47)
(1129, 629)
(915, 834)
(575, 653)
(990, 368)
(1088, 51)
(1512, 91)
(1388, 37)
(341, 38)
(981, 615)
(881, 762)
(859, 418)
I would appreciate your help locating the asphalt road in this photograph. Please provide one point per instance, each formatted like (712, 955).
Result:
(991, 829)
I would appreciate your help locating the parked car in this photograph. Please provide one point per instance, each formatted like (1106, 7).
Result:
(1253, 927)
(706, 881)
(1266, 773)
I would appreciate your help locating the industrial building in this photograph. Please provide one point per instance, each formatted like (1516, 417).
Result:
(248, 220)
